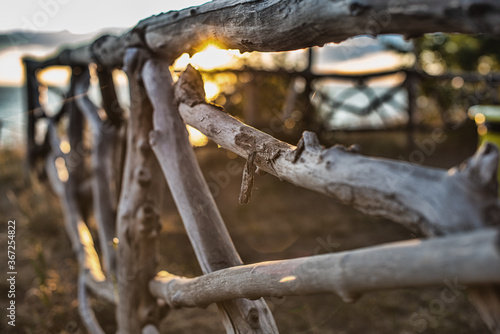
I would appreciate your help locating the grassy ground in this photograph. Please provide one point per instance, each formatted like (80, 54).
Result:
(281, 222)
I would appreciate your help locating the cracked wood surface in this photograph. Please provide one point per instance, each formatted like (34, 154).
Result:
(278, 25)
(430, 200)
(138, 224)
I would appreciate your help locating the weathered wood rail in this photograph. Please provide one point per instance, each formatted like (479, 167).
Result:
(131, 157)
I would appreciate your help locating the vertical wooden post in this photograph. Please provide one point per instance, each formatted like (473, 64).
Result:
(33, 104)
(75, 127)
(138, 214)
(200, 215)
(67, 188)
(103, 177)
(115, 114)
(109, 98)
(411, 88)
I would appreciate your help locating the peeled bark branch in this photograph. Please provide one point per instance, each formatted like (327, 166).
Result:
(33, 104)
(204, 225)
(104, 135)
(427, 199)
(65, 178)
(471, 258)
(67, 188)
(138, 213)
(81, 240)
(279, 25)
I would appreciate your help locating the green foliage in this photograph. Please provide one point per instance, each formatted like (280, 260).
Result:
(447, 100)
(461, 52)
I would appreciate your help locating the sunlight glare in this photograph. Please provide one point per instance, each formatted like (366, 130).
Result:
(479, 118)
(482, 130)
(64, 146)
(120, 78)
(212, 57)
(211, 90)
(288, 279)
(54, 76)
(62, 171)
(182, 62)
(196, 138)
(91, 258)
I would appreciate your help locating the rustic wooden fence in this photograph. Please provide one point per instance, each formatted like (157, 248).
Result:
(117, 160)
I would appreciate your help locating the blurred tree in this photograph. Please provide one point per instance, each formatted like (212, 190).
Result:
(460, 52)
(463, 70)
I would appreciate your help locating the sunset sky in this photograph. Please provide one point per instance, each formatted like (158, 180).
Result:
(79, 16)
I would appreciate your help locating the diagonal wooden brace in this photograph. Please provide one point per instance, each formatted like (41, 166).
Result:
(204, 225)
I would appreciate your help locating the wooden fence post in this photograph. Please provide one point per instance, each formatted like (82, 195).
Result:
(138, 213)
(33, 105)
(65, 173)
(204, 225)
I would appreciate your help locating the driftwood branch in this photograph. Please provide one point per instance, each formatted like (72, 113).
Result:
(430, 200)
(110, 103)
(472, 258)
(67, 188)
(204, 225)
(80, 237)
(33, 105)
(115, 123)
(85, 308)
(279, 25)
(104, 135)
(138, 213)
(65, 178)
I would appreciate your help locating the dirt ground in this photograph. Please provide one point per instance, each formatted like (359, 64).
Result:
(281, 222)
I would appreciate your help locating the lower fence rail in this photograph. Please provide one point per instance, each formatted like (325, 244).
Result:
(470, 259)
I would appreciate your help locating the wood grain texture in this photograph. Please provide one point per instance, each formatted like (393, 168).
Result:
(471, 258)
(138, 222)
(279, 25)
(430, 200)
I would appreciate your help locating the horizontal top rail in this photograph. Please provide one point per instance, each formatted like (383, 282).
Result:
(277, 25)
